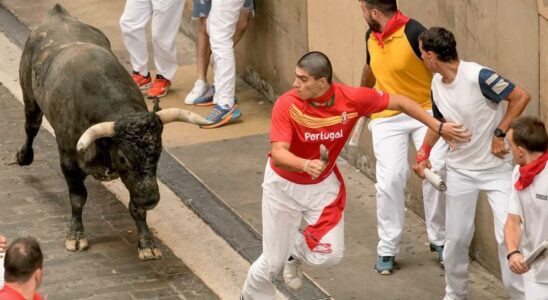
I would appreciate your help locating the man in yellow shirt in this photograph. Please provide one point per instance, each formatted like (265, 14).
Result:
(394, 65)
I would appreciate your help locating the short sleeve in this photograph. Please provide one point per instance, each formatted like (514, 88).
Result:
(412, 31)
(280, 125)
(514, 206)
(493, 86)
(371, 101)
(368, 56)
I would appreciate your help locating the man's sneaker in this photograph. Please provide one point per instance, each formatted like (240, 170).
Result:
(143, 82)
(293, 274)
(199, 89)
(384, 265)
(159, 87)
(207, 98)
(220, 116)
(438, 251)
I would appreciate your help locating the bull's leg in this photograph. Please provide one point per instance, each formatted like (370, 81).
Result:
(33, 119)
(148, 248)
(74, 176)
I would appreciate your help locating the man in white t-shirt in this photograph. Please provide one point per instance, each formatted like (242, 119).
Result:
(471, 94)
(528, 204)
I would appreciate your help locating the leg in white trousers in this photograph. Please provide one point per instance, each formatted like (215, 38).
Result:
(463, 187)
(166, 19)
(221, 25)
(284, 204)
(535, 290)
(391, 144)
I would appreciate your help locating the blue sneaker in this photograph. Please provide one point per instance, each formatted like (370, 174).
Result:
(221, 116)
(384, 265)
(438, 250)
(207, 98)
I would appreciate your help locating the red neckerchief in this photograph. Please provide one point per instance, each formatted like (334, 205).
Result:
(323, 98)
(528, 172)
(396, 22)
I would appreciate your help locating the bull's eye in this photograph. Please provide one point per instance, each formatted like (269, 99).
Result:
(123, 160)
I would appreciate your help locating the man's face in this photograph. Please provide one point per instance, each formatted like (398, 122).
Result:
(307, 86)
(517, 152)
(373, 24)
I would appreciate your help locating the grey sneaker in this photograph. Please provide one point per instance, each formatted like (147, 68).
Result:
(293, 274)
(385, 265)
(438, 251)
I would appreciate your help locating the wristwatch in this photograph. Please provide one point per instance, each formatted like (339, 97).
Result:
(499, 133)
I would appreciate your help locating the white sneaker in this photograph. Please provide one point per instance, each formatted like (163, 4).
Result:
(199, 89)
(293, 274)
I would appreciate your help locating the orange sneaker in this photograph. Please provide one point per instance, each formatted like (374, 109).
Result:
(143, 82)
(159, 87)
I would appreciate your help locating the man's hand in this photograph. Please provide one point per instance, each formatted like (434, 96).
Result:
(314, 167)
(517, 263)
(455, 133)
(419, 167)
(498, 148)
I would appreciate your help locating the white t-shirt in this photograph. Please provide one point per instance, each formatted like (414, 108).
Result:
(473, 99)
(531, 204)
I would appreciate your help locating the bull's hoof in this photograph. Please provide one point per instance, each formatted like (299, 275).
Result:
(25, 156)
(76, 241)
(148, 250)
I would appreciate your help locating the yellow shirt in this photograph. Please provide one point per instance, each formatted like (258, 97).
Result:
(398, 69)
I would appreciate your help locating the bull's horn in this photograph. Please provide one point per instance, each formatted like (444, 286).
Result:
(97, 131)
(177, 114)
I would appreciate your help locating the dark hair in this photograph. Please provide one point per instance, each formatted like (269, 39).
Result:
(316, 64)
(529, 133)
(385, 6)
(440, 41)
(23, 257)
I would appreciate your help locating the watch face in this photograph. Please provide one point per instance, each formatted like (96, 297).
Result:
(499, 133)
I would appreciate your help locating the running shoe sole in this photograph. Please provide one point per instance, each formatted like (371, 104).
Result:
(227, 119)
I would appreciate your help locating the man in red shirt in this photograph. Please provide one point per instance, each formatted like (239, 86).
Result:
(23, 270)
(299, 183)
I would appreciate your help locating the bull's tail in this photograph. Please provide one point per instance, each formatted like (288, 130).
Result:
(58, 9)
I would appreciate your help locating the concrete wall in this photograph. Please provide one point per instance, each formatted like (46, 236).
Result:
(543, 37)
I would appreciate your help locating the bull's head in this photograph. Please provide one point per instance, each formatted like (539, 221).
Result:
(136, 147)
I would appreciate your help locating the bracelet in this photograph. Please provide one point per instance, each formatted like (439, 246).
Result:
(306, 162)
(441, 127)
(423, 153)
(512, 253)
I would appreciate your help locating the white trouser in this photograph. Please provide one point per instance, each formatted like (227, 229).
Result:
(166, 19)
(221, 25)
(391, 145)
(463, 187)
(535, 290)
(284, 205)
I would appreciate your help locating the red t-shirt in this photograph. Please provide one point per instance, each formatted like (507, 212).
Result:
(305, 127)
(7, 293)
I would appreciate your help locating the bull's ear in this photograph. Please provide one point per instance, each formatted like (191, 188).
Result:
(156, 106)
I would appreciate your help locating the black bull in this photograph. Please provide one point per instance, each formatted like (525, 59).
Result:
(103, 128)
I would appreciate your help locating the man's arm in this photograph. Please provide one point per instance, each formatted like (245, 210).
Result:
(283, 158)
(451, 132)
(512, 239)
(517, 100)
(368, 78)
